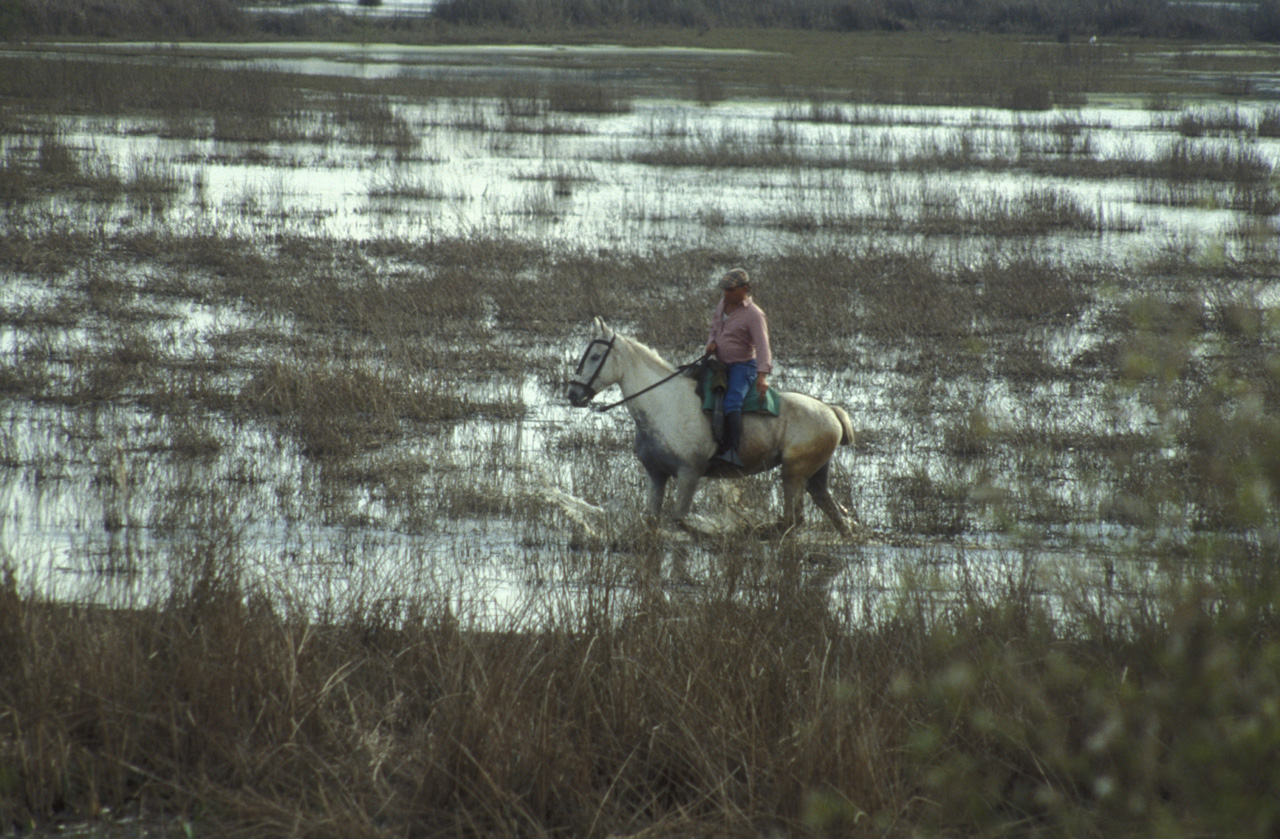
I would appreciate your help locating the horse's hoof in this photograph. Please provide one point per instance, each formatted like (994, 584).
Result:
(777, 530)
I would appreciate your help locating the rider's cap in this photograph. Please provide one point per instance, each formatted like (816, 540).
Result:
(734, 279)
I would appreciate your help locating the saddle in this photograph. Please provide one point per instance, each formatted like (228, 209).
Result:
(713, 380)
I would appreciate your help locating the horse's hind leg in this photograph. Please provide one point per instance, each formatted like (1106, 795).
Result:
(817, 487)
(792, 498)
(686, 485)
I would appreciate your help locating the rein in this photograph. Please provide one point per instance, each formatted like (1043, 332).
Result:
(600, 409)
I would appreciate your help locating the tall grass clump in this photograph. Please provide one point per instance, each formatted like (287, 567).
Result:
(1158, 724)
(1240, 164)
(366, 120)
(730, 148)
(1238, 177)
(587, 97)
(1269, 122)
(1200, 123)
(1145, 707)
(53, 167)
(338, 411)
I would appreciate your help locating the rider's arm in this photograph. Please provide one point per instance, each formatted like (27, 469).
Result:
(760, 337)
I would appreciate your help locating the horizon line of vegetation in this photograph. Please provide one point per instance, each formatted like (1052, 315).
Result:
(1258, 21)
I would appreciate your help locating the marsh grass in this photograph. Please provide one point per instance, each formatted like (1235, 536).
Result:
(158, 88)
(1269, 123)
(1062, 149)
(563, 178)
(368, 120)
(1237, 177)
(218, 705)
(401, 184)
(1203, 122)
(1035, 212)
(521, 99)
(587, 97)
(544, 126)
(51, 167)
(340, 412)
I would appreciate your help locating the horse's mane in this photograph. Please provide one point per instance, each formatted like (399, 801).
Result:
(649, 353)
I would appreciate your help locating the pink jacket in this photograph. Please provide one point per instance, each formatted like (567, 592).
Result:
(742, 335)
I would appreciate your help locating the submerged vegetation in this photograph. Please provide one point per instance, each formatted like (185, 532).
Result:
(266, 458)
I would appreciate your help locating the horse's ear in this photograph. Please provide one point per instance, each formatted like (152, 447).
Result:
(601, 327)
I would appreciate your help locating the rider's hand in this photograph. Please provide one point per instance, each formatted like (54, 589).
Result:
(711, 347)
(761, 384)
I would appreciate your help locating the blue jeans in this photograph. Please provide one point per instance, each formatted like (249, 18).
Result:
(742, 376)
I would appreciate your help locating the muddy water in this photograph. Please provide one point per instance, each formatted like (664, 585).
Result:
(93, 504)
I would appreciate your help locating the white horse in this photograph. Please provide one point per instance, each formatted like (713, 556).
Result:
(673, 433)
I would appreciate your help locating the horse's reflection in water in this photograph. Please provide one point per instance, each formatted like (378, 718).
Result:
(673, 435)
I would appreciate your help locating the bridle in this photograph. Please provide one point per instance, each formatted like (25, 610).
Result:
(608, 348)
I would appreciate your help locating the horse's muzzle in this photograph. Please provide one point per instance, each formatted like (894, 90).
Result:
(579, 394)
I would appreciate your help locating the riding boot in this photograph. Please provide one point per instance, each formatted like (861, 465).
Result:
(732, 436)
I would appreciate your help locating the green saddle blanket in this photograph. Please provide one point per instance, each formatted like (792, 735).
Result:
(714, 379)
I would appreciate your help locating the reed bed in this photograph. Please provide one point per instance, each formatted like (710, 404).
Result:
(222, 710)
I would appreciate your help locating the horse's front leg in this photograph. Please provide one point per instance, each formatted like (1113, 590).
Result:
(657, 491)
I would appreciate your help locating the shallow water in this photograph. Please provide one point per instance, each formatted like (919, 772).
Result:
(572, 181)
(583, 180)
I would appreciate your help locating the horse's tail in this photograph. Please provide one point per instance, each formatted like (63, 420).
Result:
(846, 425)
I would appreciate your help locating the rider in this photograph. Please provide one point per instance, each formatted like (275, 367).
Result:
(739, 338)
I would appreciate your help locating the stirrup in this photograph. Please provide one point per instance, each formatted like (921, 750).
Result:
(730, 456)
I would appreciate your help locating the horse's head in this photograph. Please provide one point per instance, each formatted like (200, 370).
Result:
(594, 372)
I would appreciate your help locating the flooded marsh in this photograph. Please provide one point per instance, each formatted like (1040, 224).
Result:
(299, 534)
(339, 311)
